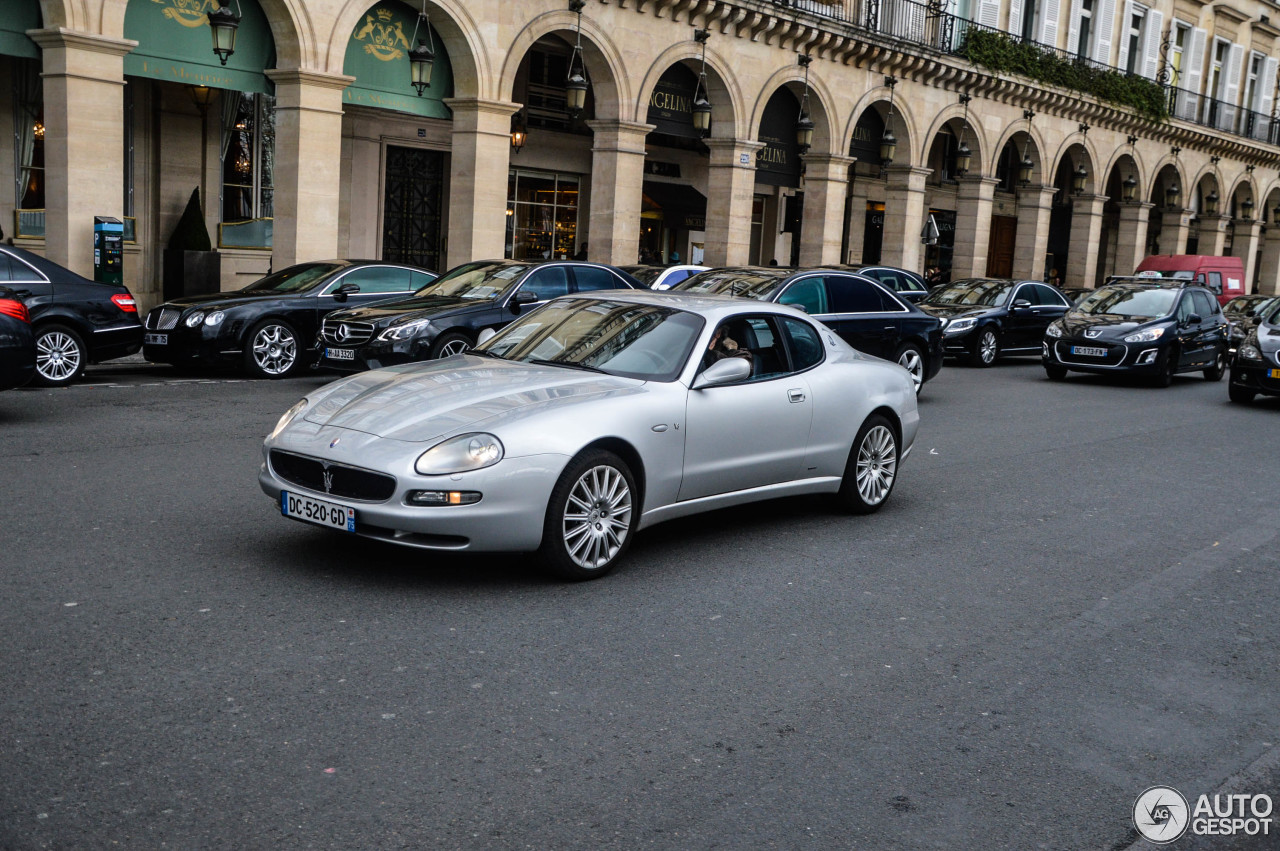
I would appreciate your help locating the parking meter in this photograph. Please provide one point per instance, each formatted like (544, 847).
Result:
(108, 250)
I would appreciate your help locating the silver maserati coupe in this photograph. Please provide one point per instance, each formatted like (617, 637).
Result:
(589, 419)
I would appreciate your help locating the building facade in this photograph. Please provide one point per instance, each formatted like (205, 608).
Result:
(1035, 138)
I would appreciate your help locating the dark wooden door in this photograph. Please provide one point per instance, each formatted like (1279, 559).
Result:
(412, 203)
(1004, 230)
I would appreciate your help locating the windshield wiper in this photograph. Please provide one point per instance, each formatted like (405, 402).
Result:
(485, 353)
(582, 366)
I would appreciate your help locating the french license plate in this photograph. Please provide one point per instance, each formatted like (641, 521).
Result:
(155, 339)
(340, 354)
(1089, 351)
(1275, 373)
(316, 511)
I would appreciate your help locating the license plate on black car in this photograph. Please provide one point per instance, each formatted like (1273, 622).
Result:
(317, 511)
(340, 354)
(1275, 373)
(1089, 351)
(155, 339)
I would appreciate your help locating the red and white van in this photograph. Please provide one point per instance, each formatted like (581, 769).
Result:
(1223, 275)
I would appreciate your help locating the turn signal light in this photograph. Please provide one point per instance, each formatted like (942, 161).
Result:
(16, 309)
(443, 497)
(125, 302)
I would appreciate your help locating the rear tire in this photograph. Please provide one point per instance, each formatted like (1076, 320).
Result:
(986, 348)
(591, 517)
(60, 356)
(1219, 368)
(872, 468)
(272, 349)
(450, 343)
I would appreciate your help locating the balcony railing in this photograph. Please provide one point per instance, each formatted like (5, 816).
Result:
(1223, 116)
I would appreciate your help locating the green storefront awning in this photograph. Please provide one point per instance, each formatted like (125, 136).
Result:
(378, 57)
(174, 45)
(14, 24)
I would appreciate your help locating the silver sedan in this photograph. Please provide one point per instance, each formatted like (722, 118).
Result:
(589, 419)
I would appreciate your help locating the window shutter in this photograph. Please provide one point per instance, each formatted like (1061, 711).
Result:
(1155, 31)
(1073, 26)
(1267, 87)
(1049, 30)
(1123, 62)
(1231, 90)
(989, 13)
(1193, 61)
(1015, 18)
(1104, 21)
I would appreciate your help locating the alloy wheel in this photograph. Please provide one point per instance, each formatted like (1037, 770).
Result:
(987, 347)
(453, 347)
(877, 465)
(911, 361)
(57, 356)
(274, 349)
(597, 517)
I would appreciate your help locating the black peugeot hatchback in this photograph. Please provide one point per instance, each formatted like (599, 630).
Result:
(1157, 330)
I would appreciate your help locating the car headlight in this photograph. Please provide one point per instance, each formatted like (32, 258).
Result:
(215, 318)
(195, 319)
(460, 454)
(1249, 352)
(288, 417)
(1054, 330)
(958, 326)
(1148, 336)
(405, 330)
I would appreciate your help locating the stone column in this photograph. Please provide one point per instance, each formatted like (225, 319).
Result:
(731, 182)
(1213, 234)
(1175, 227)
(617, 171)
(825, 183)
(83, 139)
(857, 222)
(1269, 281)
(1245, 246)
(973, 226)
(904, 214)
(1131, 241)
(478, 167)
(1031, 243)
(1086, 232)
(308, 165)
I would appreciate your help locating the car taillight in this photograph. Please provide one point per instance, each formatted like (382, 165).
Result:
(16, 309)
(125, 302)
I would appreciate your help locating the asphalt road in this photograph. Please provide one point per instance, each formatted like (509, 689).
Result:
(1071, 597)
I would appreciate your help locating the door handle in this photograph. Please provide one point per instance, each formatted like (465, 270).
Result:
(795, 395)
(890, 327)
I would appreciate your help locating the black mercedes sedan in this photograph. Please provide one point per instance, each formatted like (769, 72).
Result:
(17, 343)
(907, 284)
(1256, 367)
(1157, 330)
(449, 316)
(270, 326)
(866, 314)
(990, 317)
(1243, 313)
(76, 321)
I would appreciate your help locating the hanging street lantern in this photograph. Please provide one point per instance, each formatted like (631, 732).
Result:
(575, 84)
(1275, 214)
(1246, 209)
(1078, 179)
(702, 106)
(1026, 166)
(888, 142)
(422, 57)
(1129, 189)
(964, 158)
(1211, 203)
(223, 24)
(1173, 200)
(519, 131)
(804, 125)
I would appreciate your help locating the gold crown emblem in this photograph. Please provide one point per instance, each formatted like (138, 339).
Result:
(384, 15)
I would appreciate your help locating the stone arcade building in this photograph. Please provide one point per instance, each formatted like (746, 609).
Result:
(312, 143)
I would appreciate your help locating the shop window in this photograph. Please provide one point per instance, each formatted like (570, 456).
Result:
(542, 215)
(28, 124)
(248, 155)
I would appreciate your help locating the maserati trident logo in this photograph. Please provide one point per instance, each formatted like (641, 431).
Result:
(335, 442)
(328, 481)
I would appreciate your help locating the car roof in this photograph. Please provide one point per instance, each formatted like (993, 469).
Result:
(712, 307)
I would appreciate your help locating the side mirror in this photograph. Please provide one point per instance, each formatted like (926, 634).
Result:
(1021, 303)
(727, 371)
(1194, 319)
(341, 293)
(522, 298)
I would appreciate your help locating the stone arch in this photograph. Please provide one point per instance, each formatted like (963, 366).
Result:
(821, 110)
(728, 115)
(975, 137)
(605, 66)
(471, 61)
(1118, 159)
(291, 26)
(1019, 134)
(1073, 149)
(904, 127)
(1243, 188)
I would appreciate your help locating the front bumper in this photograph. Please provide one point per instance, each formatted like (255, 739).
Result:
(1136, 358)
(376, 354)
(202, 344)
(1258, 376)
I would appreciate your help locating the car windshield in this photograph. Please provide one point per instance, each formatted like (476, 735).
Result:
(475, 280)
(648, 342)
(1249, 306)
(982, 293)
(746, 284)
(644, 274)
(1129, 302)
(294, 279)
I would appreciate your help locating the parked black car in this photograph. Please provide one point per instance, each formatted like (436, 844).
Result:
(271, 325)
(1256, 367)
(76, 321)
(448, 316)
(1156, 329)
(1243, 314)
(909, 285)
(17, 342)
(864, 312)
(990, 317)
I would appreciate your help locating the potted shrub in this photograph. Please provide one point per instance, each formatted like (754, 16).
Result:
(191, 266)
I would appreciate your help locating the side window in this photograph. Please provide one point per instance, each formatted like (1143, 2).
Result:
(377, 279)
(678, 276)
(808, 294)
(803, 340)
(590, 278)
(418, 280)
(1026, 292)
(1050, 296)
(850, 295)
(1215, 282)
(547, 283)
(1204, 304)
(1185, 308)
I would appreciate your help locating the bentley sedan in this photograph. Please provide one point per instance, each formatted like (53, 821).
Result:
(589, 419)
(990, 317)
(270, 326)
(865, 313)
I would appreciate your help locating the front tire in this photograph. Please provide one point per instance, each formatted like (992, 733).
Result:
(60, 356)
(451, 343)
(986, 348)
(911, 359)
(1240, 395)
(1219, 368)
(1056, 372)
(272, 350)
(872, 468)
(591, 517)
(1166, 367)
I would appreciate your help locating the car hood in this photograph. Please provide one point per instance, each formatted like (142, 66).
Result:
(423, 401)
(954, 311)
(222, 301)
(384, 313)
(1076, 324)
(1268, 337)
